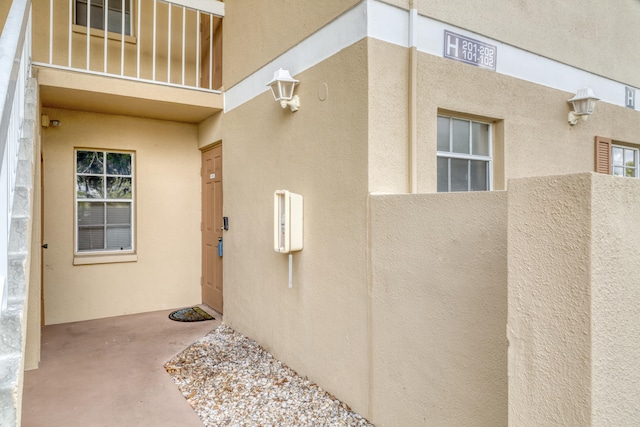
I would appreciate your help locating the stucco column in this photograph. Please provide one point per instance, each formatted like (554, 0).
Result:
(615, 289)
(573, 243)
(548, 327)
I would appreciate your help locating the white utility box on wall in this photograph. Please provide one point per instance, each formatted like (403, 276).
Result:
(287, 221)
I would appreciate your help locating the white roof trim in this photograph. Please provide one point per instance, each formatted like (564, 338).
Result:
(378, 20)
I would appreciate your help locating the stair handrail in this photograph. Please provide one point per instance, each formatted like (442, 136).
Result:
(11, 48)
(14, 67)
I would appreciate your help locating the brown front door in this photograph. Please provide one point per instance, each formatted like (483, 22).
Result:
(212, 227)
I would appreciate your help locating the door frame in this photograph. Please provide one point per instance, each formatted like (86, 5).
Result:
(204, 150)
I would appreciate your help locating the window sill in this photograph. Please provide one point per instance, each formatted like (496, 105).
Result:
(81, 29)
(104, 259)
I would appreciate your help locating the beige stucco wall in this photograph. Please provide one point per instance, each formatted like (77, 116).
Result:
(210, 130)
(549, 330)
(388, 117)
(573, 321)
(274, 28)
(615, 322)
(439, 308)
(167, 271)
(319, 326)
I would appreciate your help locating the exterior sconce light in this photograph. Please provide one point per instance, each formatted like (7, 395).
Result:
(45, 122)
(583, 105)
(282, 89)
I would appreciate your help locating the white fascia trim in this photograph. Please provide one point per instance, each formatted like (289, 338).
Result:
(524, 65)
(381, 21)
(341, 33)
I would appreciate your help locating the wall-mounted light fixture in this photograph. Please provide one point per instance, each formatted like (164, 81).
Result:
(583, 105)
(282, 89)
(46, 122)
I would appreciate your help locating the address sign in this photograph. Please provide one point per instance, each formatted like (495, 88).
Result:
(470, 51)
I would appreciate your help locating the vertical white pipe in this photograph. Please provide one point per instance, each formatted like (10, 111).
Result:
(51, 32)
(106, 27)
(153, 71)
(169, 46)
(88, 33)
(413, 98)
(70, 34)
(139, 41)
(290, 270)
(122, 35)
(184, 32)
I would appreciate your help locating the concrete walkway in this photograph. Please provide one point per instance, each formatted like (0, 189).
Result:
(109, 373)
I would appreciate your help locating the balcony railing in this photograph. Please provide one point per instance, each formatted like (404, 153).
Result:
(15, 69)
(175, 43)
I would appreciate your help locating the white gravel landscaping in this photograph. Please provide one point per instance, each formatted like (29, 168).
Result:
(229, 380)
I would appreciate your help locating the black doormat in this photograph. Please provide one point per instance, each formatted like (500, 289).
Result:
(191, 314)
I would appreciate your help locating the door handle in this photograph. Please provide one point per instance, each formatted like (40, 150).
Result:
(45, 246)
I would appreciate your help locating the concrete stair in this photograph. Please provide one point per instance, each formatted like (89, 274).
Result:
(12, 324)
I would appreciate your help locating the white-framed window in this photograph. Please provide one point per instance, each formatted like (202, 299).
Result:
(97, 16)
(464, 155)
(104, 201)
(624, 161)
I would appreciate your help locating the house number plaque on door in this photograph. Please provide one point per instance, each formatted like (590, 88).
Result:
(468, 50)
(212, 176)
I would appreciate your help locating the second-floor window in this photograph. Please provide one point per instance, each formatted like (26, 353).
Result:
(96, 16)
(617, 159)
(624, 161)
